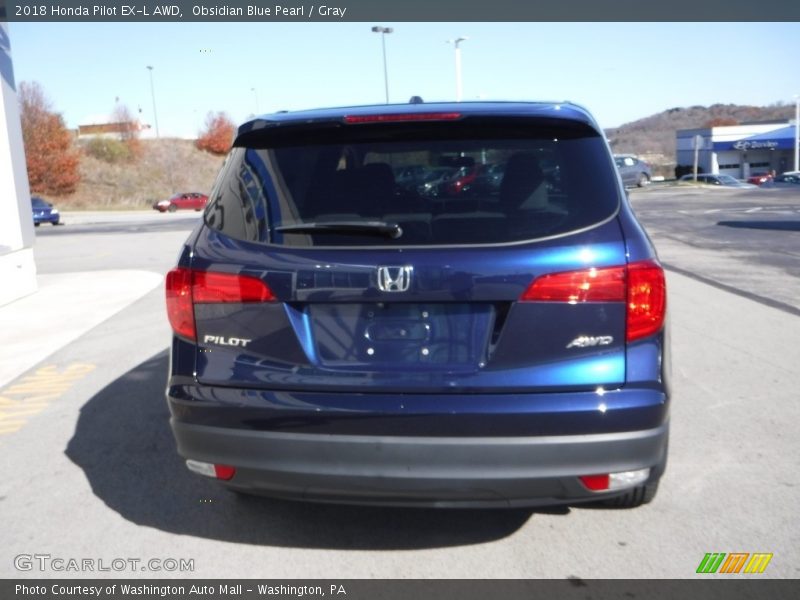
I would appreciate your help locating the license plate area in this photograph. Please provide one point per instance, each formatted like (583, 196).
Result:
(400, 336)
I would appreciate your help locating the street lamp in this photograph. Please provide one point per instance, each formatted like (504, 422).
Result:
(153, 94)
(255, 93)
(383, 31)
(797, 133)
(456, 43)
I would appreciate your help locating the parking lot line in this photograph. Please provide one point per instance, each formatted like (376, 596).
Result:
(35, 392)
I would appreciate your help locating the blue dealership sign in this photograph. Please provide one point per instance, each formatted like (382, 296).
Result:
(777, 139)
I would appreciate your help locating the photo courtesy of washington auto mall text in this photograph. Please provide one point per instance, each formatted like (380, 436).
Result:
(170, 590)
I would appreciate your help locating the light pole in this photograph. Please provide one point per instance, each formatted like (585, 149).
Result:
(456, 43)
(255, 93)
(797, 133)
(383, 31)
(153, 94)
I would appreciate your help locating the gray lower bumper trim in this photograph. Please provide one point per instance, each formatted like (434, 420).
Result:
(421, 470)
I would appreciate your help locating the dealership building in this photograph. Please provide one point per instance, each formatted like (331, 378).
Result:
(739, 150)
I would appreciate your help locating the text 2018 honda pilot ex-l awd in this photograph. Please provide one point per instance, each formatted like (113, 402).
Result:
(342, 334)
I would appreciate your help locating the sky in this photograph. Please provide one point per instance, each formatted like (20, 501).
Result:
(620, 71)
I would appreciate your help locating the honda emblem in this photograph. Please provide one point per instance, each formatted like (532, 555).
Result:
(394, 279)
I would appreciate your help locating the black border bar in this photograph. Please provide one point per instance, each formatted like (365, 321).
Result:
(741, 587)
(397, 10)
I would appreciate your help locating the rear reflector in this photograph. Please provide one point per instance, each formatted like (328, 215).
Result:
(402, 118)
(596, 483)
(187, 287)
(224, 472)
(641, 285)
(615, 481)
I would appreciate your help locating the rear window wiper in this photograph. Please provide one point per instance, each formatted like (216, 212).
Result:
(391, 230)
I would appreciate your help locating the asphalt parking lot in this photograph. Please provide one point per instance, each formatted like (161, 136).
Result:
(90, 469)
(744, 241)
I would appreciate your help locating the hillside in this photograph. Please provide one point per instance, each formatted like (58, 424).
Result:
(166, 166)
(653, 137)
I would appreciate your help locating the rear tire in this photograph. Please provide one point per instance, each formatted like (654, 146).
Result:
(172, 208)
(633, 498)
(643, 180)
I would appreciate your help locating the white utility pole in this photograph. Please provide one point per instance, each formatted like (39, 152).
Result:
(383, 31)
(797, 133)
(456, 42)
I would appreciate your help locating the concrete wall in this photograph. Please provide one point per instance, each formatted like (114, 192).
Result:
(17, 266)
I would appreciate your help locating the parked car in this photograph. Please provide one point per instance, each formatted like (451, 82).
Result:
(435, 180)
(712, 179)
(787, 180)
(489, 179)
(462, 180)
(44, 212)
(410, 176)
(336, 341)
(759, 178)
(632, 170)
(190, 201)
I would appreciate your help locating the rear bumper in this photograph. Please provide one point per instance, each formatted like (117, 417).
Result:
(420, 470)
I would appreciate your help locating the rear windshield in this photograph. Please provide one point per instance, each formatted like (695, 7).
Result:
(438, 184)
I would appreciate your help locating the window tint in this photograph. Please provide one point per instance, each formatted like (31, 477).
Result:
(462, 184)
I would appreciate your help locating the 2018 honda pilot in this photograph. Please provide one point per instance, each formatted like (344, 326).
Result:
(341, 337)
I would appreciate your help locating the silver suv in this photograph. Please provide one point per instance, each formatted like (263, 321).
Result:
(634, 171)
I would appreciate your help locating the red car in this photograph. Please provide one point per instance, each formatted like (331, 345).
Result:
(759, 178)
(461, 181)
(190, 200)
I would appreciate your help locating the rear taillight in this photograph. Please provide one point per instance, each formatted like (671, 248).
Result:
(187, 287)
(589, 285)
(180, 309)
(212, 288)
(641, 285)
(647, 299)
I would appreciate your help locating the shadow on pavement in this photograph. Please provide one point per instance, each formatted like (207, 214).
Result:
(124, 445)
(770, 225)
(67, 228)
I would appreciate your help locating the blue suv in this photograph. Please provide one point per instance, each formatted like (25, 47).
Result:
(340, 336)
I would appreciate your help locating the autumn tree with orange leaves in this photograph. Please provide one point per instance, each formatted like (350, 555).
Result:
(217, 136)
(51, 156)
(721, 122)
